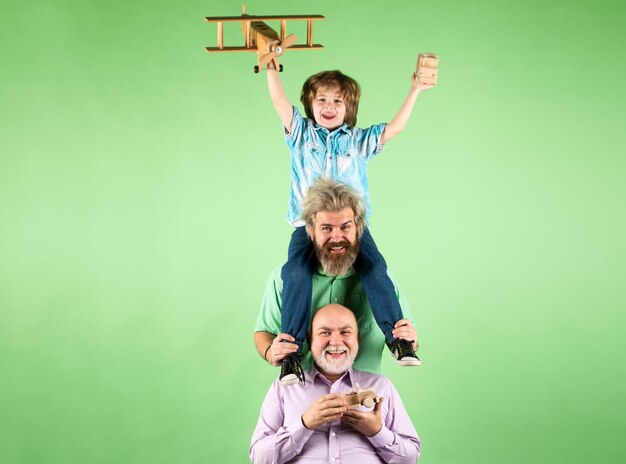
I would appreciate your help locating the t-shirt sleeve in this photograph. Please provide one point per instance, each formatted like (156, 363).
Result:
(269, 318)
(369, 140)
(297, 128)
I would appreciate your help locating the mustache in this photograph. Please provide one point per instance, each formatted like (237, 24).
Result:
(344, 243)
(337, 263)
(336, 349)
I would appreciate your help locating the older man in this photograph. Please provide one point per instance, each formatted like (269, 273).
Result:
(335, 224)
(293, 428)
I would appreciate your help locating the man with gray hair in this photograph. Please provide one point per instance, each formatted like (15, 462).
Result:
(335, 224)
(311, 422)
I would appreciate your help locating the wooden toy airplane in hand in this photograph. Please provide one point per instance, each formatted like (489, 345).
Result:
(358, 397)
(262, 39)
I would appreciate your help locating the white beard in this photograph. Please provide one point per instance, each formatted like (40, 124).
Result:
(335, 366)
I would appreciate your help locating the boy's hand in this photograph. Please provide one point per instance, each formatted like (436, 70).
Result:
(416, 84)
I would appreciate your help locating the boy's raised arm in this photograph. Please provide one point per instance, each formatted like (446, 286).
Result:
(279, 98)
(396, 125)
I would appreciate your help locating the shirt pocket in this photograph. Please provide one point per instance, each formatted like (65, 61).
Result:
(315, 158)
(313, 148)
(356, 298)
(347, 163)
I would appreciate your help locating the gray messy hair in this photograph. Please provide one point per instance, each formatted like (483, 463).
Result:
(331, 196)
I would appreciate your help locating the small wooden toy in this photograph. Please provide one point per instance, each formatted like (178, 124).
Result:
(427, 64)
(358, 397)
(261, 38)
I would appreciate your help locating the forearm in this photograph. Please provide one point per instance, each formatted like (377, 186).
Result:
(397, 124)
(264, 451)
(396, 449)
(275, 86)
(263, 340)
(397, 441)
(281, 446)
(279, 98)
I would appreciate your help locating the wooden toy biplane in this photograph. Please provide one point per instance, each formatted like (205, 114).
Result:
(355, 398)
(262, 39)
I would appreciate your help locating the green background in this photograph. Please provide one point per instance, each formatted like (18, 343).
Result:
(143, 188)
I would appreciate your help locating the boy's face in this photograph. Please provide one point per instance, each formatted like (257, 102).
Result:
(328, 108)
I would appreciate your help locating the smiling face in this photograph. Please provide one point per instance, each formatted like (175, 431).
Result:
(335, 240)
(334, 340)
(329, 109)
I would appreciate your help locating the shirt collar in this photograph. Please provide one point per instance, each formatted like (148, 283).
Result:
(350, 272)
(348, 377)
(343, 128)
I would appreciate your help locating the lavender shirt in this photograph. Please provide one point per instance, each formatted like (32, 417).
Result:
(281, 437)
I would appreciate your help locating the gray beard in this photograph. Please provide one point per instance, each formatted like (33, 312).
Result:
(335, 367)
(337, 264)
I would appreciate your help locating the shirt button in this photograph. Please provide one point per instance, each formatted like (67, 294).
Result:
(332, 434)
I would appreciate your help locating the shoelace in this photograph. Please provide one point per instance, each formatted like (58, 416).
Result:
(404, 348)
(292, 364)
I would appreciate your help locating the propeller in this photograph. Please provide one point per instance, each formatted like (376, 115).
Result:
(289, 41)
(277, 48)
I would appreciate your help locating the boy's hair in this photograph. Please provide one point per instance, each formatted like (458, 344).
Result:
(348, 88)
(331, 196)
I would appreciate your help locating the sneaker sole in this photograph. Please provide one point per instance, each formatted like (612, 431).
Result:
(289, 380)
(409, 362)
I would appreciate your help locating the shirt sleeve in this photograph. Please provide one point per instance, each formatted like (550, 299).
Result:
(269, 318)
(397, 441)
(369, 141)
(272, 442)
(297, 128)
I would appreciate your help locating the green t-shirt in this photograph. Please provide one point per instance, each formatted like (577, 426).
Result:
(346, 290)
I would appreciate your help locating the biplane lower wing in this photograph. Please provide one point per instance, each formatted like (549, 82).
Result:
(247, 49)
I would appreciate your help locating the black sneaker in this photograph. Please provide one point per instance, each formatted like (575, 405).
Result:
(291, 371)
(402, 350)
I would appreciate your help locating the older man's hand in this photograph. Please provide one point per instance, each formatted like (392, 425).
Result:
(325, 409)
(405, 330)
(368, 423)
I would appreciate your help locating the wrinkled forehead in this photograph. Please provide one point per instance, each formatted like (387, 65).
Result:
(334, 218)
(334, 317)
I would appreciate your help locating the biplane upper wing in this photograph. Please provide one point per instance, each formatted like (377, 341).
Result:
(226, 19)
(246, 21)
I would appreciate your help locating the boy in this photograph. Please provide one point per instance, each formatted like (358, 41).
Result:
(326, 144)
